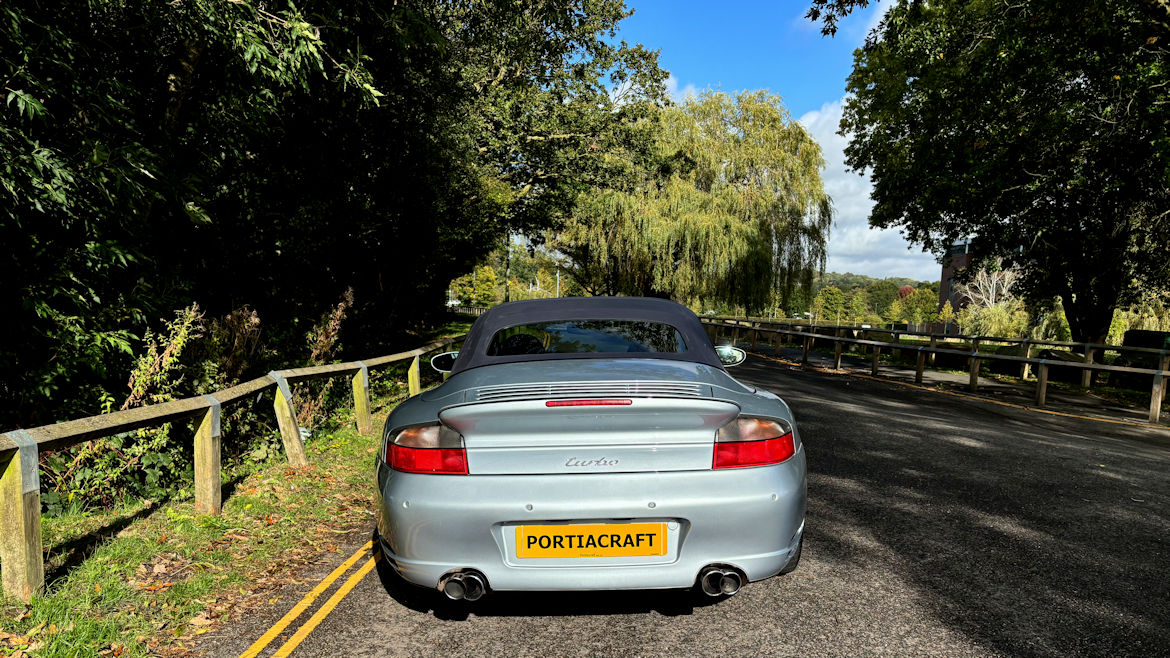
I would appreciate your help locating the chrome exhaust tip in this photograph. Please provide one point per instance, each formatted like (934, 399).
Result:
(710, 579)
(730, 583)
(453, 587)
(465, 585)
(720, 580)
(473, 587)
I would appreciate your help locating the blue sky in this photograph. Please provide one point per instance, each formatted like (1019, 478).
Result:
(741, 44)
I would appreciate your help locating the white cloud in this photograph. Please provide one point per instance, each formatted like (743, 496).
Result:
(853, 245)
(679, 95)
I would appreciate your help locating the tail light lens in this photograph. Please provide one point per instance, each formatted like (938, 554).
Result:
(433, 449)
(748, 442)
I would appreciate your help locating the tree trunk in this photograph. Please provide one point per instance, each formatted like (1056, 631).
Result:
(1088, 322)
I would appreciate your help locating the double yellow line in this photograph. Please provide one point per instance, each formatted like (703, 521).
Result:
(323, 612)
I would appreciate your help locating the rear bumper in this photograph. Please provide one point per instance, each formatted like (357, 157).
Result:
(749, 518)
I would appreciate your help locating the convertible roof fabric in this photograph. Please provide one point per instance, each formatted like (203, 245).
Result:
(474, 352)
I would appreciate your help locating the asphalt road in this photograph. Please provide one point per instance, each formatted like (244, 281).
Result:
(937, 526)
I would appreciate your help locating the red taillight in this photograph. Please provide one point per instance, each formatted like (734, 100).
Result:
(435, 449)
(588, 403)
(438, 461)
(741, 454)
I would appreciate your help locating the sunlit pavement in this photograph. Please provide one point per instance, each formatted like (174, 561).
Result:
(937, 526)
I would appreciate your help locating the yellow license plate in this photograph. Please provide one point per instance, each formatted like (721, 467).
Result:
(592, 540)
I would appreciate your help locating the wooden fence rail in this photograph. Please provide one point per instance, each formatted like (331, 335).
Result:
(975, 358)
(21, 550)
(933, 337)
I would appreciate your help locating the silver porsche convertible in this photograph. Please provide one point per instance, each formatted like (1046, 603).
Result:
(590, 444)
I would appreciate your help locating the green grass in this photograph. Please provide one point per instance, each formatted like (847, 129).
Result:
(143, 579)
(146, 578)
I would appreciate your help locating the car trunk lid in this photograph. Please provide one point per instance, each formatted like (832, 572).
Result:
(635, 434)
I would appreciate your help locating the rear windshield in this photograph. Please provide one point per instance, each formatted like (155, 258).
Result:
(586, 336)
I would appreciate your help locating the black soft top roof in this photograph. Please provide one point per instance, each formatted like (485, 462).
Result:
(698, 346)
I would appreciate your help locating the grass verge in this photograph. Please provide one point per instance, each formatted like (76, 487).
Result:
(147, 578)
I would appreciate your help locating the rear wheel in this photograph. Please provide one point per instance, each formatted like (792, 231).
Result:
(794, 560)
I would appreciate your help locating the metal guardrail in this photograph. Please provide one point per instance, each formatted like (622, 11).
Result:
(21, 550)
(975, 358)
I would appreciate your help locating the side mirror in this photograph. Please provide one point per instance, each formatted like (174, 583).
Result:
(444, 362)
(729, 355)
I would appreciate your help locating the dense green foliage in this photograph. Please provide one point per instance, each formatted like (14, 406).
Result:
(1040, 130)
(727, 207)
(730, 209)
(271, 156)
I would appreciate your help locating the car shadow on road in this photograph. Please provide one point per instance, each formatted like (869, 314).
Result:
(669, 603)
(1029, 534)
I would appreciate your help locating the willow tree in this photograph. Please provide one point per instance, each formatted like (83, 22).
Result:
(729, 208)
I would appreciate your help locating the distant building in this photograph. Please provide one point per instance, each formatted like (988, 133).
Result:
(956, 258)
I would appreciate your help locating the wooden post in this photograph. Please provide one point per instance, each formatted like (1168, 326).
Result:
(1025, 367)
(21, 555)
(920, 366)
(208, 476)
(412, 378)
(361, 398)
(735, 334)
(837, 346)
(1042, 383)
(933, 344)
(877, 352)
(804, 357)
(286, 418)
(1156, 393)
(1087, 374)
(974, 372)
(755, 337)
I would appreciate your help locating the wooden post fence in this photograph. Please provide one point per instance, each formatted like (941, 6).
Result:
(286, 419)
(413, 383)
(1041, 383)
(1087, 375)
(1156, 394)
(361, 398)
(20, 519)
(21, 549)
(208, 476)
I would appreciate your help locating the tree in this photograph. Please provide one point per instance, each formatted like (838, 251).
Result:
(829, 306)
(881, 295)
(858, 306)
(236, 153)
(727, 206)
(989, 286)
(830, 11)
(946, 314)
(1040, 130)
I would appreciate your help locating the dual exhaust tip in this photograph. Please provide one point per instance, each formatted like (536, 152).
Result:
(467, 585)
(719, 581)
(470, 585)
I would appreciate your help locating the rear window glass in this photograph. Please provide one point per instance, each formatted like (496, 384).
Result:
(586, 336)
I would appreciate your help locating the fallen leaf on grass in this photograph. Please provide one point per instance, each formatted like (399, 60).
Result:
(200, 621)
